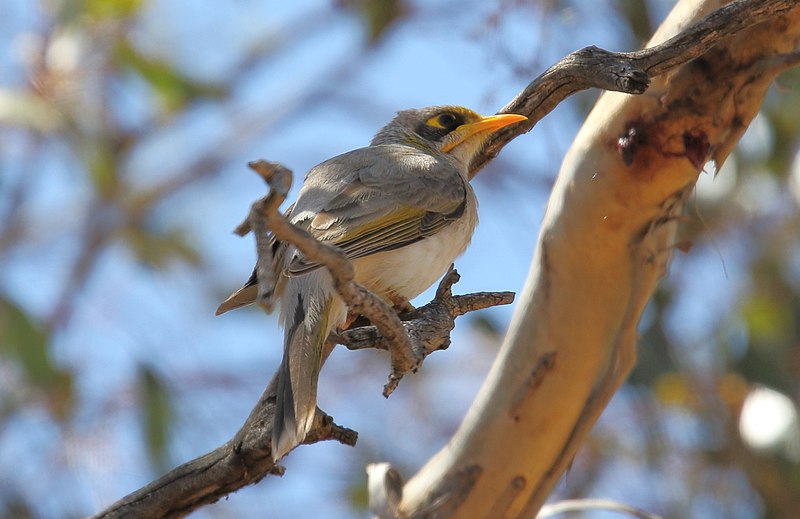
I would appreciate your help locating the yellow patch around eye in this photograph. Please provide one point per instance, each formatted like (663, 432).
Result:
(434, 121)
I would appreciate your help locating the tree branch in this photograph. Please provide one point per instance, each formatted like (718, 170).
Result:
(585, 505)
(628, 72)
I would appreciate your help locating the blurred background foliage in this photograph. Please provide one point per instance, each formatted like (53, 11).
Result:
(124, 129)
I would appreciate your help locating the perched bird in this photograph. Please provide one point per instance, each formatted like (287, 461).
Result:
(401, 209)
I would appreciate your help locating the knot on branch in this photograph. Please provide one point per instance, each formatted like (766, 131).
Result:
(610, 70)
(325, 428)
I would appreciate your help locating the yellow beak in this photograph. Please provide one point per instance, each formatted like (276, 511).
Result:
(489, 124)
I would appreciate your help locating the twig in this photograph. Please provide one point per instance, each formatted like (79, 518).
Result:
(431, 324)
(582, 505)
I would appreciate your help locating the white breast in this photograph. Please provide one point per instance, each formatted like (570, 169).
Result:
(410, 270)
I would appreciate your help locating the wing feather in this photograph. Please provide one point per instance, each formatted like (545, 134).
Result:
(377, 199)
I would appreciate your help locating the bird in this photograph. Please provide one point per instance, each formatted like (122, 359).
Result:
(401, 209)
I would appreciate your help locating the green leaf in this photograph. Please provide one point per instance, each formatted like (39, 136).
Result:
(158, 250)
(637, 14)
(487, 325)
(112, 8)
(76, 11)
(378, 16)
(102, 167)
(17, 507)
(26, 342)
(359, 494)
(156, 416)
(768, 321)
(173, 88)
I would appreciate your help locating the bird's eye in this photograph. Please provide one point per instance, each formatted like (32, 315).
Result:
(447, 120)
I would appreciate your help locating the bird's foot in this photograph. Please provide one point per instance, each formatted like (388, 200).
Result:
(402, 306)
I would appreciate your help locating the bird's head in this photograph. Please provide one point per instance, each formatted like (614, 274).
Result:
(454, 130)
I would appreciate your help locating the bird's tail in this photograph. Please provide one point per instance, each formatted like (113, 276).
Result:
(309, 311)
(274, 285)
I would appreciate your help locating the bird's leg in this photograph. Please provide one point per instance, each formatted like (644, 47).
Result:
(349, 320)
(401, 305)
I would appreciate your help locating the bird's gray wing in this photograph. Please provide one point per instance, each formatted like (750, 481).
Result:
(377, 199)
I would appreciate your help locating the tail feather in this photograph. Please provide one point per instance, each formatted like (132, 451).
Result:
(285, 432)
(249, 292)
(242, 297)
(308, 321)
